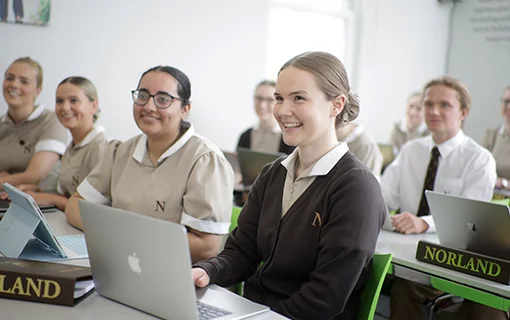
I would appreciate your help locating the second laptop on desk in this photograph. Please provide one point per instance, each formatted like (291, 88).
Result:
(252, 162)
(145, 263)
(473, 225)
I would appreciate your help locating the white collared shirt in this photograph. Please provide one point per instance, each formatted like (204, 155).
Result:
(294, 187)
(141, 147)
(465, 169)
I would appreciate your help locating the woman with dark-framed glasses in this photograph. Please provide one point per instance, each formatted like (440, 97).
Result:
(168, 172)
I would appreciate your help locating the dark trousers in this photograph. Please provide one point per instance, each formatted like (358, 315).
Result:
(18, 8)
(3, 10)
(408, 298)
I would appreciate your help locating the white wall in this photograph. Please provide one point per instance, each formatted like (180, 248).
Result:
(402, 45)
(480, 57)
(399, 45)
(219, 44)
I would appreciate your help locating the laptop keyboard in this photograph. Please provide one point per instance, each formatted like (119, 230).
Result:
(206, 311)
(74, 242)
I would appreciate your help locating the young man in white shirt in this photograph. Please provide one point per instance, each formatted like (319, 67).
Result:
(446, 161)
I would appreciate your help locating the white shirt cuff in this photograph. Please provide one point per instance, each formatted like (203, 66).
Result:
(205, 226)
(89, 193)
(430, 221)
(51, 145)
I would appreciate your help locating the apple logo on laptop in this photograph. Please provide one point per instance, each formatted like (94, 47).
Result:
(134, 263)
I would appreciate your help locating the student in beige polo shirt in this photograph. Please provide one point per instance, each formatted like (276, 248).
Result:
(497, 141)
(363, 146)
(31, 138)
(168, 172)
(266, 136)
(413, 126)
(76, 106)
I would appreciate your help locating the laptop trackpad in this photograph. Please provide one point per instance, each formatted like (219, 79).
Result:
(222, 298)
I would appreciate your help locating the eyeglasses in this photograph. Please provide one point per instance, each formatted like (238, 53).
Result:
(161, 100)
(260, 99)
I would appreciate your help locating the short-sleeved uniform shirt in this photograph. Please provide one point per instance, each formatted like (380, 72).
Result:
(79, 160)
(41, 131)
(191, 184)
(266, 140)
(497, 141)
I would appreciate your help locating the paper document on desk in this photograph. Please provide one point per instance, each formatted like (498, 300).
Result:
(83, 287)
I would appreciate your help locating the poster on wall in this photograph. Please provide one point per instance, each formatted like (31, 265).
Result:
(34, 12)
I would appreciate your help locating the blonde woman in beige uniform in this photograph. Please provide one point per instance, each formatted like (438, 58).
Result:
(497, 141)
(363, 146)
(412, 126)
(31, 138)
(76, 107)
(168, 172)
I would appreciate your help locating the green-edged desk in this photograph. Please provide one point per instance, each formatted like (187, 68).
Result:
(405, 265)
(91, 308)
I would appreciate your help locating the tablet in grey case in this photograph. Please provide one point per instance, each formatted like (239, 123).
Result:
(24, 231)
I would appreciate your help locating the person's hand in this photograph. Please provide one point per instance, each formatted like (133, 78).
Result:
(43, 199)
(408, 223)
(4, 195)
(3, 173)
(200, 277)
(502, 183)
(28, 187)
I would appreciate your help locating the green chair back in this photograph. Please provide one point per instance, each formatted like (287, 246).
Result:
(233, 220)
(506, 201)
(237, 288)
(370, 294)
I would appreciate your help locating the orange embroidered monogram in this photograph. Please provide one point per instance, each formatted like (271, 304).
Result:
(317, 220)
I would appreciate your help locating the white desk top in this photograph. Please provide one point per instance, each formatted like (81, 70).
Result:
(92, 307)
(403, 248)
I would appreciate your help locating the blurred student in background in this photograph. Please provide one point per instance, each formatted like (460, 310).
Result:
(266, 136)
(363, 146)
(412, 126)
(497, 141)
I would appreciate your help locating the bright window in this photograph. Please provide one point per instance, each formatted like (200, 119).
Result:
(297, 26)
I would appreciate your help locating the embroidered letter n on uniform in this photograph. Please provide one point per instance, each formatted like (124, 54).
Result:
(317, 220)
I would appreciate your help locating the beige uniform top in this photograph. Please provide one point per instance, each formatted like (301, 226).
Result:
(365, 148)
(294, 187)
(264, 140)
(498, 143)
(191, 184)
(79, 160)
(399, 134)
(40, 132)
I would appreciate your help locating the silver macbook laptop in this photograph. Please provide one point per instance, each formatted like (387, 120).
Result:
(145, 263)
(473, 225)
